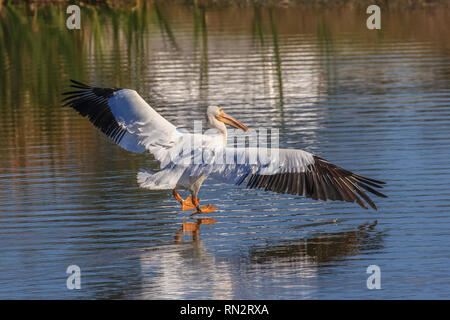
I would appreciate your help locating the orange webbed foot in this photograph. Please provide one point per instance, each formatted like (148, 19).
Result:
(188, 204)
(206, 209)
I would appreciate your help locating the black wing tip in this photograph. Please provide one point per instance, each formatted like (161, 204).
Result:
(321, 181)
(327, 181)
(92, 102)
(82, 89)
(374, 181)
(80, 84)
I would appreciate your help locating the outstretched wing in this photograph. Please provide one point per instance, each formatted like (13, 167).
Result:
(125, 117)
(320, 180)
(289, 171)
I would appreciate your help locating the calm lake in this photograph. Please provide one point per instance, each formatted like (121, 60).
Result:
(376, 102)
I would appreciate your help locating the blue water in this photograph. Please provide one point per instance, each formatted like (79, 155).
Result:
(381, 108)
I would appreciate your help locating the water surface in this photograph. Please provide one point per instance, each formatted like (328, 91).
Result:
(375, 102)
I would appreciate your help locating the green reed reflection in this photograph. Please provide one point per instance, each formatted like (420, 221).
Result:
(119, 44)
(276, 52)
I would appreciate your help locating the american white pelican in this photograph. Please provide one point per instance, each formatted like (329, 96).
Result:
(135, 126)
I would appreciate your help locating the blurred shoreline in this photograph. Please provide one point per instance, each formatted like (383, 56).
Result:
(316, 4)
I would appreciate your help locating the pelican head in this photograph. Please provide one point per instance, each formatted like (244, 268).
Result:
(218, 119)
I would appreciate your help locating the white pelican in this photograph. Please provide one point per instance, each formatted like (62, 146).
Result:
(135, 126)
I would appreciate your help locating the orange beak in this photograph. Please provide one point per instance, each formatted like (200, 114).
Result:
(229, 120)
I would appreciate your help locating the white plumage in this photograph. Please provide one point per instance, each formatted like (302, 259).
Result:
(135, 126)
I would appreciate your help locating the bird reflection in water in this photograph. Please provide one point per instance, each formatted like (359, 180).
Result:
(322, 247)
(192, 229)
(189, 270)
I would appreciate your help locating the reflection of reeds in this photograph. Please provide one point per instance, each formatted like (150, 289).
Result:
(117, 46)
(258, 31)
(201, 34)
(37, 56)
(31, 46)
(259, 39)
(33, 39)
(204, 55)
(165, 26)
(276, 51)
(326, 46)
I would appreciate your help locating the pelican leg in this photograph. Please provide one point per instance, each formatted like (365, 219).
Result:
(205, 209)
(185, 204)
